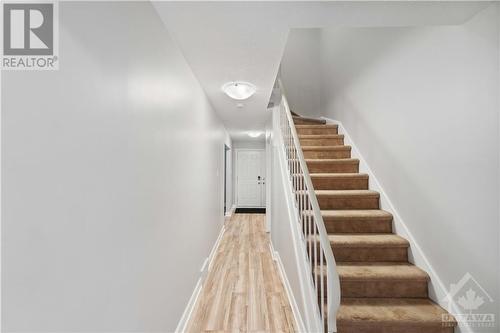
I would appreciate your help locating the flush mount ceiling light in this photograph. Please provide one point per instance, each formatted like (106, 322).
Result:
(239, 90)
(254, 134)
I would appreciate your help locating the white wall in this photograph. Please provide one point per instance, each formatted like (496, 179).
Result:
(286, 236)
(258, 143)
(229, 174)
(300, 71)
(422, 106)
(282, 233)
(109, 168)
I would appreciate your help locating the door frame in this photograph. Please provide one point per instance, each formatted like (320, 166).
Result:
(227, 158)
(236, 172)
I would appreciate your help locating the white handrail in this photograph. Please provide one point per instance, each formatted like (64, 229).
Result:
(319, 253)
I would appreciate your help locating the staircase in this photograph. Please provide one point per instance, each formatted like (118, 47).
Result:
(381, 291)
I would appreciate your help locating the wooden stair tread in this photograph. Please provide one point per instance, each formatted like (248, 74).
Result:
(367, 240)
(393, 312)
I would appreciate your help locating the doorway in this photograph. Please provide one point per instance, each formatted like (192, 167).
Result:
(226, 159)
(250, 178)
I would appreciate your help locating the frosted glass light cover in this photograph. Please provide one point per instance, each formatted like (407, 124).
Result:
(239, 90)
(254, 134)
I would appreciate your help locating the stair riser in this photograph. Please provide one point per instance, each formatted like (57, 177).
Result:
(362, 254)
(370, 254)
(345, 203)
(322, 142)
(357, 226)
(384, 289)
(373, 327)
(327, 153)
(317, 131)
(340, 183)
(333, 167)
(306, 122)
(380, 289)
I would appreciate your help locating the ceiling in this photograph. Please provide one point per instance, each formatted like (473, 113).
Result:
(244, 41)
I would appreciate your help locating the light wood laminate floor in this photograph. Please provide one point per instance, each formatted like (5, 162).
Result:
(243, 291)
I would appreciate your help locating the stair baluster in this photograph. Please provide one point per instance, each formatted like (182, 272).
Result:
(316, 241)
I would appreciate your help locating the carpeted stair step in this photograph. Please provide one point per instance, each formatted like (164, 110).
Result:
(347, 199)
(381, 291)
(326, 151)
(321, 140)
(357, 221)
(369, 248)
(317, 129)
(342, 165)
(379, 280)
(339, 181)
(393, 315)
(382, 280)
(307, 121)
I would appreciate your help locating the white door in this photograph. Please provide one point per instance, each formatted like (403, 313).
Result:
(250, 178)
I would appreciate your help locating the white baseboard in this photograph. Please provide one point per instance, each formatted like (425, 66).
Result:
(230, 212)
(207, 263)
(186, 315)
(437, 290)
(288, 289)
(215, 247)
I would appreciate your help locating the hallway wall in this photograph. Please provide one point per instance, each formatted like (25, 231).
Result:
(300, 71)
(422, 106)
(111, 170)
(229, 175)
